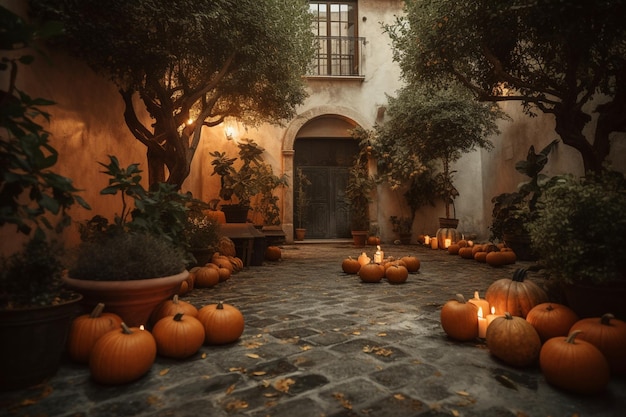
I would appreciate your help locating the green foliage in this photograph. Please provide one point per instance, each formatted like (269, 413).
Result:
(428, 126)
(205, 60)
(579, 232)
(201, 231)
(554, 57)
(512, 211)
(358, 191)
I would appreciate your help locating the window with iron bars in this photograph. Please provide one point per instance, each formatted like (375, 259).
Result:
(338, 45)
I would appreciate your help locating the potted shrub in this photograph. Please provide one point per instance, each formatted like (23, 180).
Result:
(202, 234)
(513, 211)
(301, 202)
(358, 190)
(579, 235)
(35, 309)
(139, 260)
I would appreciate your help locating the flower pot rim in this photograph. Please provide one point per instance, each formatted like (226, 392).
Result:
(78, 284)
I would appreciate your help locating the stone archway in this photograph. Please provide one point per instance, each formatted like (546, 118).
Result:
(289, 138)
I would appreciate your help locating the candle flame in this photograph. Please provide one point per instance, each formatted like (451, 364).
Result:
(141, 327)
(480, 312)
(493, 310)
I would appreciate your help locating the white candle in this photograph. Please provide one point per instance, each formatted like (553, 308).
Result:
(426, 240)
(378, 256)
(433, 243)
(447, 243)
(491, 317)
(482, 324)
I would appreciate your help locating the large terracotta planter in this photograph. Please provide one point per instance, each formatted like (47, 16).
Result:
(359, 237)
(132, 300)
(33, 341)
(235, 213)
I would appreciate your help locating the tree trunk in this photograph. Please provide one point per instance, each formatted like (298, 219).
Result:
(570, 123)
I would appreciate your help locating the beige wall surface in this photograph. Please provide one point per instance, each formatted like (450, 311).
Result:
(87, 125)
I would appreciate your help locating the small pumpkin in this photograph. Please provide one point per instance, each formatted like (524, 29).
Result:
(371, 272)
(222, 262)
(189, 283)
(515, 295)
(178, 336)
(607, 334)
(462, 243)
(551, 320)
(87, 329)
(373, 240)
(513, 340)
(350, 265)
(466, 253)
(223, 323)
(224, 274)
(453, 249)
(459, 319)
(396, 274)
(171, 307)
(273, 253)
(496, 258)
(509, 256)
(226, 246)
(207, 276)
(120, 357)
(481, 257)
(412, 263)
(574, 365)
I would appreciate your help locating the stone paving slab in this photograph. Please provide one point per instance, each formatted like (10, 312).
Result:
(318, 342)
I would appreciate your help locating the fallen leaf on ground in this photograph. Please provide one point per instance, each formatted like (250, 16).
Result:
(236, 405)
(252, 355)
(284, 384)
(164, 371)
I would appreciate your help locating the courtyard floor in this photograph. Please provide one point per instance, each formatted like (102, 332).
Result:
(318, 342)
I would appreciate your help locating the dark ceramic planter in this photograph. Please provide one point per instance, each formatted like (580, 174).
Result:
(132, 300)
(32, 342)
(235, 213)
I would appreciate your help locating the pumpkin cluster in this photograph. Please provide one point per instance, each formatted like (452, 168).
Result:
(494, 255)
(118, 354)
(577, 355)
(219, 269)
(395, 271)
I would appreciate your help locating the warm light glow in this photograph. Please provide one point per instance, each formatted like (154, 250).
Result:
(447, 243)
(427, 240)
(480, 312)
(189, 121)
(493, 310)
(229, 131)
(482, 324)
(141, 327)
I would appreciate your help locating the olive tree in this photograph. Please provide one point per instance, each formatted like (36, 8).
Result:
(190, 60)
(563, 58)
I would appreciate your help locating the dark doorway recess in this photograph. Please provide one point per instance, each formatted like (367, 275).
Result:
(326, 162)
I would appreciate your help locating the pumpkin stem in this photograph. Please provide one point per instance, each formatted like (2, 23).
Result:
(175, 299)
(178, 317)
(220, 305)
(606, 319)
(572, 336)
(126, 329)
(549, 307)
(508, 316)
(97, 311)
(460, 298)
(519, 274)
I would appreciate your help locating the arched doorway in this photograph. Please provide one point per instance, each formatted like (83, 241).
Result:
(324, 151)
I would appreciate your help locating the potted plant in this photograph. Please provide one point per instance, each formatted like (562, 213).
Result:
(35, 309)
(403, 226)
(579, 235)
(301, 202)
(139, 260)
(513, 211)
(358, 189)
(202, 234)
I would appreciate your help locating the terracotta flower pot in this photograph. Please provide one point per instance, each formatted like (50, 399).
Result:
(132, 300)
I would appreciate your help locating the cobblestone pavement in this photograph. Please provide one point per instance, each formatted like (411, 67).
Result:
(319, 342)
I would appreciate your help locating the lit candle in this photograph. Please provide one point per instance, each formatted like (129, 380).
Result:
(426, 240)
(470, 243)
(379, 255)
(141, 327)
(491, 317)
(482, 324)
(447, 243)
(433, 243)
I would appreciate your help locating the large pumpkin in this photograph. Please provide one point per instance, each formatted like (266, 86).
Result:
(371, 272)
(172, 307)
(607, 334)
(350, 265)
(207, 276)
(513, 340)
(412, 263)
(396, 274)
(87, 329)
(460, 319)
(574, 365)
(551, 320)
(515, 295)
(178, 336)
(120, 357)
(223, 323)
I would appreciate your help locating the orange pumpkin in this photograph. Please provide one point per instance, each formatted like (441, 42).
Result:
(513, 340)
(350, 265)
(178, 336)
(87, 329)
(396, 274)
(481, 257)
(411, 263)
(207, 276)
(495, 258)
(551, 320)
(224, 274)
(373, 240)
(120, 357)
(460, 319)
(515, 295)
(371, 272)
(607, 334)
(273, 253)
(172, 307)
(223, 323)
(226, 246)
(466, 253)
(574, 365)
(453, 249)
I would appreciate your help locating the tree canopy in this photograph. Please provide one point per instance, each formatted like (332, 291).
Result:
(560, 57)
(199, 60)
